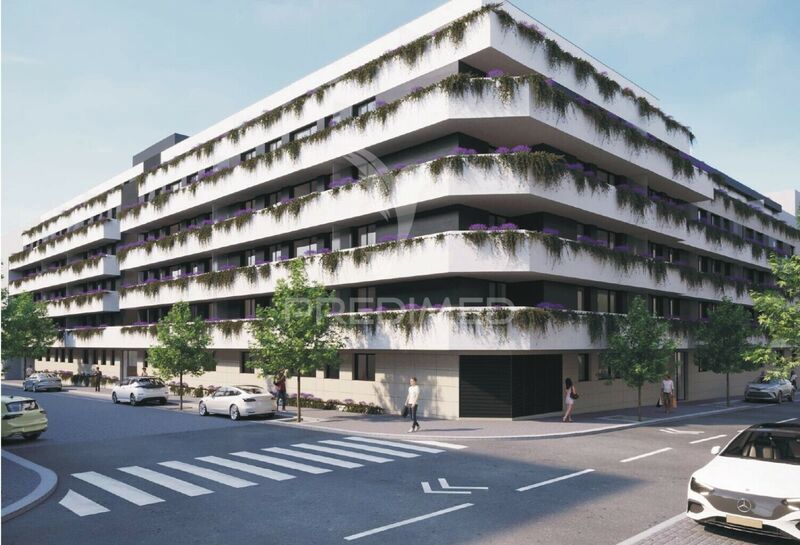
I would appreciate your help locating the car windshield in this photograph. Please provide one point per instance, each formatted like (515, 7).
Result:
(771, 445)
(19, 406)
(251, 389)
(150, 382)
(770, 381)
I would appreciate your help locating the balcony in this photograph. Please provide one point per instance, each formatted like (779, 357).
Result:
(90, 303)
(481, 181)
(505, 256)
(88, 236)
(91, 269)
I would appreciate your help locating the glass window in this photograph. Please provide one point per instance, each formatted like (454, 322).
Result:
(580, 305)
(249, 154)
(365, 298)
(603, 301)
(331, 371)
(771, 445)
(366, 235)
(243, 367)
(304, 132)
(302, 189)
(364, 367)
(274, 144)
(584, 368)
(364, 107)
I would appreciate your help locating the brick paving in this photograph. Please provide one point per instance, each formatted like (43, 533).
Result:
(688, 532)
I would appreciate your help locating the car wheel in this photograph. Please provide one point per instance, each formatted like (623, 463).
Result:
(201, 408)
(114, 397)
(32, 435)
(133, 400)
(234, 412)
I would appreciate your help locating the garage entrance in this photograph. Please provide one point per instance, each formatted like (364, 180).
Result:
(509, 386)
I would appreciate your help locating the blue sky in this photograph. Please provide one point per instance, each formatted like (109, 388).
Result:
(86, 84)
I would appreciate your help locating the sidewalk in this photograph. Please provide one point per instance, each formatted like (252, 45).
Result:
(391, 425)
(476, 428)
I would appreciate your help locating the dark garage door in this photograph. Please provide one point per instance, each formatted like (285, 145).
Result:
(509, 386)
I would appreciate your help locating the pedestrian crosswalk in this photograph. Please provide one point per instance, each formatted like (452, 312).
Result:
(236, 470)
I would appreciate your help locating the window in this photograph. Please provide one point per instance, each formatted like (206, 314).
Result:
(304, 132)
(243, 367)
(249, 154)
(103, 357)
(364, 367)
(366, 235)
(302, 189)
(584, 368)
(605, 301)
(580, 305)
(47, 356)
(497, 290)
(364, 107)
(274, 144)
(365, 298)
(113, 359)
(331, 371)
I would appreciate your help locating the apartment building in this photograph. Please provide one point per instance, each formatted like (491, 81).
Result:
(483, 196)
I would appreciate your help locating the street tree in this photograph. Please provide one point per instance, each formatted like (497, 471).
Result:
(778, 312)
(27, 330)
(723, 342)
(640, 349)
(296, 332)
(182, 347)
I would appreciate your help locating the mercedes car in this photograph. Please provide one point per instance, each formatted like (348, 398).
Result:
(238, 402)
(776, 389)
(753, 484)
(136, 390)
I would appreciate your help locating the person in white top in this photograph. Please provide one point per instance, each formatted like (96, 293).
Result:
(667, 388)
(412, 402)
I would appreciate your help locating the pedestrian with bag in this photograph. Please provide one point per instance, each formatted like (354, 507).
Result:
(98, 376)
(570, 395)
(412, 403)
(667, 390)
(280, 384)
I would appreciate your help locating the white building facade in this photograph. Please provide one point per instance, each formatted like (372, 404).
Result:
(482, 195)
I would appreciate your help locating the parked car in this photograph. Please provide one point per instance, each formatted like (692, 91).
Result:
(238, 402)
(22, 415)
(776, 389)
(42, 381)
(753, 484)
(137, 390)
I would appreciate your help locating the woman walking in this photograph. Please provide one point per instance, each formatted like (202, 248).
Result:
(412, 402)
(570, 395)
(280, 385)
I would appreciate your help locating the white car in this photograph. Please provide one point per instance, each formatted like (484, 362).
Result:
(137, 390)
(753, 484)
(238, 402)
(42, 381)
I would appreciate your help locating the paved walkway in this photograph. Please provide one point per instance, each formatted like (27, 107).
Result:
(392, 425)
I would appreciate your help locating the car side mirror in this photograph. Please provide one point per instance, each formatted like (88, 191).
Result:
(716, 450)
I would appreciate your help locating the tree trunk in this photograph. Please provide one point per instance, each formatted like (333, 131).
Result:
(299, 419)
(180, 389)
(639, 404)
(727, 389)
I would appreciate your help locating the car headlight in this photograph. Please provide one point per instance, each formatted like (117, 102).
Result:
(792, 503)
(700, 488)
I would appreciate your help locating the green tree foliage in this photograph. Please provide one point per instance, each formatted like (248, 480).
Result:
(182, 347)
(27, 330)
(295, 333)
(639, 351)
(779, 318)
(723, 342)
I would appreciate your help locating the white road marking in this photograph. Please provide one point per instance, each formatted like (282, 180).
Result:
(395, 444)
(557, 479)
(659, 451)
(281, 462)
(785, 421)
(81, 505)
(426, 487)
(313, 457)
(210, 474)
(708, 439)
(441, 444)
(178, 485)
(247, 468)
(368, 448)
(408, 521)
(443, 484)
(345, 453)
(118, 488)
(687, 432)
(652, 530)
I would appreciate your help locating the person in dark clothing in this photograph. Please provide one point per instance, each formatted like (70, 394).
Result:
(280, 384)
(98, 376)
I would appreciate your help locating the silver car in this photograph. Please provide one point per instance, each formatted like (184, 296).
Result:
(38, 382)
(776, 389)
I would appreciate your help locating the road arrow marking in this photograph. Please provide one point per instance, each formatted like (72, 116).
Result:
(426, 487)
(681, 432)
(444, 485)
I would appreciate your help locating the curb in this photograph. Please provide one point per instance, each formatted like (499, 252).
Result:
(653, 530)
(47, 485)
(575, 433)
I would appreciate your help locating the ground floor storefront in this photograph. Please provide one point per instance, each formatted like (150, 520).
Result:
(453, 385)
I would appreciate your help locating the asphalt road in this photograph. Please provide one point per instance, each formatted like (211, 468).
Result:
(612, 502)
